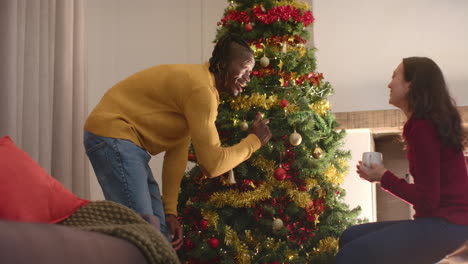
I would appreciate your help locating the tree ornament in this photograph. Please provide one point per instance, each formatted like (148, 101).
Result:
(284, 103)
(317, 153)
(231, 179)
(204, 224)
(280, 174)
(277, 224)
(244, 125)
(249, 183)
(191, 157)
(189, 203)
(264, 61)
(295, 138)
(285, 47)
(248, 27)
(280, 65)
(213, 242)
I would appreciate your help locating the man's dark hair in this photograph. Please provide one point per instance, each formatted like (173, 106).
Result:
(222, 52)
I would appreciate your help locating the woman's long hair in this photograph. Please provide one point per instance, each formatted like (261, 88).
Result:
(429, 99)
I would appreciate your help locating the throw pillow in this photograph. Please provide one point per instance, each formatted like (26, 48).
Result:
(28, 193)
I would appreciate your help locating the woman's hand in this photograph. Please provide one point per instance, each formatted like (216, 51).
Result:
(373, 173)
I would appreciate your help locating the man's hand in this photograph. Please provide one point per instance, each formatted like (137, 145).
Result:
(260, 128)
(175, 230)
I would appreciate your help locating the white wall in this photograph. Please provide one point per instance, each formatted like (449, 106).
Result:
(126, 36)
(361, 42)
(358, 191)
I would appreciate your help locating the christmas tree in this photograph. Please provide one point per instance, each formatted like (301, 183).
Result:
(284, 204)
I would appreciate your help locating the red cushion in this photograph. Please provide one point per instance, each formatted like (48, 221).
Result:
(28, 193)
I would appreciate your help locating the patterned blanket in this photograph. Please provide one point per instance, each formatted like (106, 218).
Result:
(119, 221)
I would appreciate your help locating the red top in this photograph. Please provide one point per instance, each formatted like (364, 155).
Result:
(440, 175)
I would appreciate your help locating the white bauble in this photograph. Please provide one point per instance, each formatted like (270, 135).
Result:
(264, 61)
(295, 139)
(244, 126)
(277, 224)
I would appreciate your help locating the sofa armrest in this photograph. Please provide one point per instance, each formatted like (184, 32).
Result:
(45, 243)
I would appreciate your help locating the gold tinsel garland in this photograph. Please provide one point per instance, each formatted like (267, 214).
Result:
(302, 199)
(231, 239)
(248, 199)
(292, 108)
(249, 238)
(310, 183)
(333, 175)
(294, 3)
(260, 51)
(238, 199)
(327, 245)
(211, 216)
(246, 102)
(263, 164)
(343, 164)
(321, 107)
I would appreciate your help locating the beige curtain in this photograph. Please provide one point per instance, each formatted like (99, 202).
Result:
(43, 84)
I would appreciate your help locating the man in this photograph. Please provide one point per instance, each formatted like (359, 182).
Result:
(163, 108)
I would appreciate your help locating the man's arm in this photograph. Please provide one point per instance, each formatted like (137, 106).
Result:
(201, 112)
(175, 162)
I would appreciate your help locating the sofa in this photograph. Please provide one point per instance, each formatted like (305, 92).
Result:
(42, 243)
(43, 222)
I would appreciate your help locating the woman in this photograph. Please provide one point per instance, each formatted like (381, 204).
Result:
(162, 109)
(439, 194)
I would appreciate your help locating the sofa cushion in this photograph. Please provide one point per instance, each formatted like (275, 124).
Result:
(28, 192)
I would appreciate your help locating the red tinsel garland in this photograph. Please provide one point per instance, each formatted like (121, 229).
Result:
(279, 13)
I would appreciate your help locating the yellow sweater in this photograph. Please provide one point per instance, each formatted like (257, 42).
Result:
(161, 109)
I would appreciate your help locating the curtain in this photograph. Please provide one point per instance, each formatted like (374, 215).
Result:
(43, 83)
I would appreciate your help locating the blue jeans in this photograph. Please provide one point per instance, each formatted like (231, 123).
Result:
(424, 241)
(123, 172)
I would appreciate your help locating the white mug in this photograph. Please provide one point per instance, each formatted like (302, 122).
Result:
(371, 157)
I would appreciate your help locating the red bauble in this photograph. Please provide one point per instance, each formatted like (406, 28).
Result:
(189, 245)
(204, 224)
(248, 27)
(191, 157)
(275, 262)
(214, 242)
(284, 103)
(280, 174)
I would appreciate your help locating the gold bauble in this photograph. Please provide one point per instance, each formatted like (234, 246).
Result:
(277, 224)
(244, 126)
(295, 139)
(317, 153)
(264, 61)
